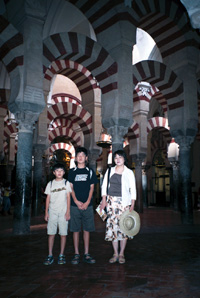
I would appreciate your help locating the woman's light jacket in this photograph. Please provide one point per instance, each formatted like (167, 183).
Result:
(128, 185)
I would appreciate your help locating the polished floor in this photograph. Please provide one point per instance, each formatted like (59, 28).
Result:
(163, 260)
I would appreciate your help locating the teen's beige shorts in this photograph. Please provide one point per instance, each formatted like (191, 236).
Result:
(56, 222)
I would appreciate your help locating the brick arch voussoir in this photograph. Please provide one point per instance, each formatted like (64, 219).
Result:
(133, 131)
(81, 50)
(161, 76)
(64, 146)
(10, 129)
(161, 124)
(65, 132)
(11, 48)
(83, 117)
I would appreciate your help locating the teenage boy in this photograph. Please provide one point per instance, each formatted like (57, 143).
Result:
(57, 212)
(82, 180)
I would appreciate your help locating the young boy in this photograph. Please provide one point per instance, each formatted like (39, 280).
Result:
(57, 212)
(82, 180)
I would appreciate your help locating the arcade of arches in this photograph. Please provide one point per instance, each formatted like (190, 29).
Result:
(105, 75)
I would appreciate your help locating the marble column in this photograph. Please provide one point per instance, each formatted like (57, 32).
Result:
(185, 179)
(175, 167)
(37, 180)
(22, 205)
(117, 133)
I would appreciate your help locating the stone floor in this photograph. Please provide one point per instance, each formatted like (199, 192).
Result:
(163, 260)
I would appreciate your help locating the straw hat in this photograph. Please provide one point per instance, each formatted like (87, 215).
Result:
(129, 223)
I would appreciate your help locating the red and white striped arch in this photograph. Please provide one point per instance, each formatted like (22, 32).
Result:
(73, 112)
(63, 146)
(159, 75)
(10, 129)
(153, 92)
(62, 122)
(6, 147)
(162, 124)
(11, 46)
(66, 132)
(63, 97)
(82, 55)
(166, 21)
(81, 76)
(133, 131)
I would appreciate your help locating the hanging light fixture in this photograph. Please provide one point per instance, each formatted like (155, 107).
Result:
(104, 140)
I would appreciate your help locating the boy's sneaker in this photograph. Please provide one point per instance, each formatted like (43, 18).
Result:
(49, 260)
(61, 260)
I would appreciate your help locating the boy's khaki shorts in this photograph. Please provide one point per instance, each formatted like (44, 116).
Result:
(57, 221)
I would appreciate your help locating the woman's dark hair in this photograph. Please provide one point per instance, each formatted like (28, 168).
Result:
(120, 153)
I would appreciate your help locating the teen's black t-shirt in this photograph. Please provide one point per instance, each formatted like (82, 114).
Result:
(81, 180)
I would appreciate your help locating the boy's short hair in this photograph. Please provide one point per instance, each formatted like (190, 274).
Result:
(58, 166)
(82, 149)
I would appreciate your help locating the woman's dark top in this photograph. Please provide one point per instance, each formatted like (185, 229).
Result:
(115, 188)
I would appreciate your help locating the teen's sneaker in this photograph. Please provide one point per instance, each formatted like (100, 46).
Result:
(49, 260)
(61, 260)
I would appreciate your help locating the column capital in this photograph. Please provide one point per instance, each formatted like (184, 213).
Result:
(175, 165)
(117, 133)
(184, 142)
(26, 120)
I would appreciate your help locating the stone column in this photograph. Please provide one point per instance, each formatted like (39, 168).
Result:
(37, 180)
(2, 116)
(93, 155)
(185, 179)
(117, 133)
(175, 167)
(11, 159)
(145, 186)
(138, 175)
(22, 208)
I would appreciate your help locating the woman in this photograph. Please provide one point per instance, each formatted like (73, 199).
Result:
(121, 195)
